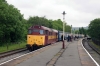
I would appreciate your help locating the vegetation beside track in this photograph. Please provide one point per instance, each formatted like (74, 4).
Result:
(12, 46)
(95, 45)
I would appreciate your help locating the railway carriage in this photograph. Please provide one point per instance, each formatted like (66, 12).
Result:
(66, 35)
(39, 36)
(60, 33)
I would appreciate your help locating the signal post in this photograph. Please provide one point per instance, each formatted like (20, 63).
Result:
(63, 45)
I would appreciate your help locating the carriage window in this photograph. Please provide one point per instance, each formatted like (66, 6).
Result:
(41, 31)
(30, 31)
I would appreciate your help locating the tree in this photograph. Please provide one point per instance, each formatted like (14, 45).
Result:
(38, 21)
(11, 23)
(55, 24)
(94, 28)
(67, 28)
(82, 31)
(76, 31)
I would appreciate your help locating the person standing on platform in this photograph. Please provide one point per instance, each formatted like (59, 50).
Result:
(62, 38)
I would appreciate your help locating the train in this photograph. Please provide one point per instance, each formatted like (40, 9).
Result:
(39, 36)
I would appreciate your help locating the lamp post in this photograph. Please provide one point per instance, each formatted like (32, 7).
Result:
(71, 29)
(63, 45)
(74, 32)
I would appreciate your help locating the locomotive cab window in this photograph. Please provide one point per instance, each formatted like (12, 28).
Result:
(41, 31)
(29, 31)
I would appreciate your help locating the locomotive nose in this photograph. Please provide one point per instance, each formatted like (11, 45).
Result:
(35, 39)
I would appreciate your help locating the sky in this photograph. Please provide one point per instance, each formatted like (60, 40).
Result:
(79, 13)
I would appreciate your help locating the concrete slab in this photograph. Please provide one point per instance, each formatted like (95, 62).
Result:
(70, 57)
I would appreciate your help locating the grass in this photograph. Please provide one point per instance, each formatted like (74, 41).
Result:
(12, 46)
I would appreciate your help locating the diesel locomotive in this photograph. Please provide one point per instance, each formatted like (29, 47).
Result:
(39, 36)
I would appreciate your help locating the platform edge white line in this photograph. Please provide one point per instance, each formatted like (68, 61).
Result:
(89, 54)
(19, 56)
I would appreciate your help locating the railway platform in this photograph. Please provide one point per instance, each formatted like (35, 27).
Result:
(53, 55)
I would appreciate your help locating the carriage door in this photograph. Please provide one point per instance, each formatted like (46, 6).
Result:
(46, 37)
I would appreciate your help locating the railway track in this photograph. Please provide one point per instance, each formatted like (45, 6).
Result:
(5, 54)
(94, 53)
(94, 48)
(5, 57)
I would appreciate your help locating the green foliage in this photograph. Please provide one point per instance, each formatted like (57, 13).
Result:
(68, 28)
(94, 28)
(12, 46)
(55, 24)
(82, 31)
(37, 21)
(11, 23)
(76, 31)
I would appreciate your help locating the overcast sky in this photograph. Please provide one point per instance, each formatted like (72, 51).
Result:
(79, 12)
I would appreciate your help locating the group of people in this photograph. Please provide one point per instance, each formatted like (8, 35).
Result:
(70, 37)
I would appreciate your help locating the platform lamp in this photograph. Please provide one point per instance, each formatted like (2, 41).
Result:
(71, 29)
(63, 45)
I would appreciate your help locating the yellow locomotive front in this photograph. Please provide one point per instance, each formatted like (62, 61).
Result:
(35, 38)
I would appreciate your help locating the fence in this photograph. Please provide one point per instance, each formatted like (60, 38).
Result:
(96, 41)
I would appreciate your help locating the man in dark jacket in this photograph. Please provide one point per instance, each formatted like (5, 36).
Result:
(62, 38)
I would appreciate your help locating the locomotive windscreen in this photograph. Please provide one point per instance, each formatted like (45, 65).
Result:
(41, 31)
(30, 31)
